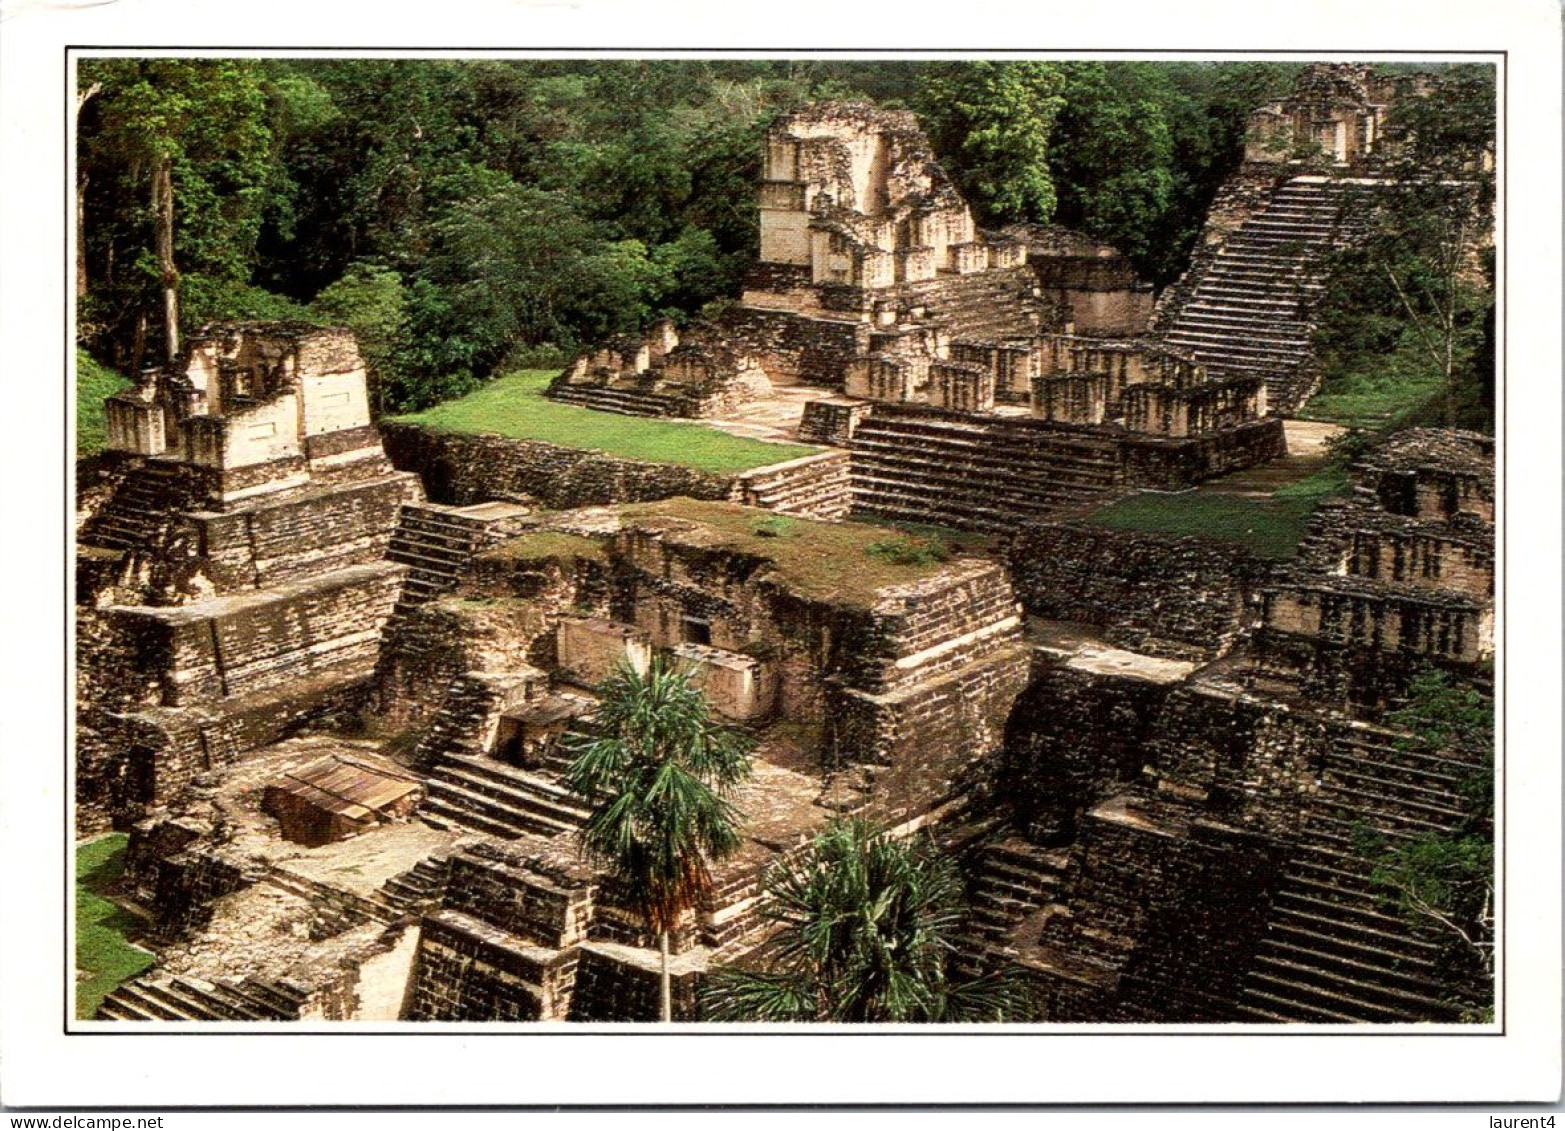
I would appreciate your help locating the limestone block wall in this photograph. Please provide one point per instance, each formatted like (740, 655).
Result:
(1252, 759)
(737, 686)
(923, 740)
(1442, 627)
(464, 469)
(1072, 737)
(589, 650)
(935, 625)
(266, 543)
(467, 970)
(135, 425)
(1171, 908)
(960, 387)
(229, 646)
(520, 897)
(1157, 594)
(262, 434)
(1425, 559)
(611, 990)
(1170, 463)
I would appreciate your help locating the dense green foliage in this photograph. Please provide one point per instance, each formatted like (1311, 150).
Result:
(514, 406)
(472, 217)
(866, 928)
(103, 953)
(1406, 331)
(94, 382)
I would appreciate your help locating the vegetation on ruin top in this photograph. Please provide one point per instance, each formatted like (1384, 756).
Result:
(1268, 528)
(829, 561)
(103, 951)
(94, 382)
(544, 545)
(514, 406)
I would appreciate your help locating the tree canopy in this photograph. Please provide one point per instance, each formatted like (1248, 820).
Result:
(470, 212)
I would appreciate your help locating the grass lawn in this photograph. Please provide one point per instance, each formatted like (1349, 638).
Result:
(1376, 391)
(93, 383)
(103, 952)
(514, 406)
(1268, 528)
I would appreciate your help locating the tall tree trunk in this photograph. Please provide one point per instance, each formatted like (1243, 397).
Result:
(81, 201)
(667, 986)
(138, 348)
(168, 274)
(81, 233)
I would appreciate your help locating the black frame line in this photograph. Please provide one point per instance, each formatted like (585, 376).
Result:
(643, 1029)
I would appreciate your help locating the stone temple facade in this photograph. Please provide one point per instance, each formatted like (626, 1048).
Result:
(880, 319)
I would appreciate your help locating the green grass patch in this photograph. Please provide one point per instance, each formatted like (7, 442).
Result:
(826, 561)
(103, 930)
(906, 549)
(1314, 489)
(514, 406)
(1268, 528)
(93, 383)
(1376, 390)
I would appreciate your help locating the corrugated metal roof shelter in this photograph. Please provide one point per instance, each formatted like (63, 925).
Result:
(339, 796)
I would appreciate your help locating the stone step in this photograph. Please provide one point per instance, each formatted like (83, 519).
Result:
(1413, 955)
(1374, 928)
(874, 453)
(142, 1004)
(1384, 972)
(511, 778)
(1384, 814)
(457, 799)
(1371, 1000)
(1365, 781)
(1279, 1003)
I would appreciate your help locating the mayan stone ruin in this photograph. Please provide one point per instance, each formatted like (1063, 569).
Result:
(333, 672)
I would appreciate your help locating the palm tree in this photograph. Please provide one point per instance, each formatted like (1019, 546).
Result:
(866, 927)
(659, 779)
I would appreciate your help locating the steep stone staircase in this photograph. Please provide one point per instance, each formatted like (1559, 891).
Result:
(1333, 952)
(986, 475)
(161, 997)
(1013, 879)
(488, 796)
(816, 486)
(419, 888)
(616, 399)
(436, 543)
(1250, 312)
(138, 515)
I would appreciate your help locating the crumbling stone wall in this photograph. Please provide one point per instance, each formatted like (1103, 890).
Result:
(462, 469)
(1167, 908)
(1072, 736)
(1161, 595)
(610, 990)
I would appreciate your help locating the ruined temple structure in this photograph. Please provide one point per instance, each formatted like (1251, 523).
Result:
(976, 379)
(1196, 836)
(1336, 112)
(334, 703)
(231, 563)
(1246, 305)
